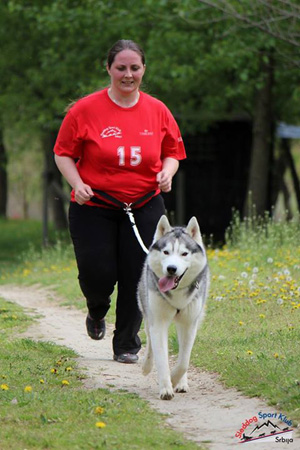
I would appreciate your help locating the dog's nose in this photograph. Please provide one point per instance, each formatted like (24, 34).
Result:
(171, 270)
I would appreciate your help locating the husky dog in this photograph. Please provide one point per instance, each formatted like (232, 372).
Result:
(173, 287)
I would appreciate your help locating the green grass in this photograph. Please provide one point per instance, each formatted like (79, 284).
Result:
(251, 332)
(43, 403)
(18, 236)
(252, 329)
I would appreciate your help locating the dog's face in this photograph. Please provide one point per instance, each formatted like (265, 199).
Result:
(177, 254)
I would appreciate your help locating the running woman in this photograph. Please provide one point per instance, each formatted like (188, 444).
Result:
(116, 146)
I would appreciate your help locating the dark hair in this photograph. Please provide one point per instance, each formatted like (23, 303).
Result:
(119, 46)
(124, 44)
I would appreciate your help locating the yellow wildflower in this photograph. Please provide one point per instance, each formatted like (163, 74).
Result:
(250, 352)
(241, 323)
(26, 272)
(27, 389)
(100, 424)
(42, 381)
(53, 370)
(259, 302)
(262, 316)
(99, 410)
(65, 382)
(276, 355)
(68, 369)
(4, 387)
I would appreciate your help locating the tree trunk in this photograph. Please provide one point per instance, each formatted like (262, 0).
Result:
(290, 162)
(279, 170)
(54, 178)
(259, 174)
(3, 177)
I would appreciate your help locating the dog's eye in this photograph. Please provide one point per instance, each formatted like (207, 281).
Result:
(184, 254)
(166, 252)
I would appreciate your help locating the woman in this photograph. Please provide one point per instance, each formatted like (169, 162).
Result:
(127, 146)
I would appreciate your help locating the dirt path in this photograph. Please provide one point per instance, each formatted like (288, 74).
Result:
(208, 413)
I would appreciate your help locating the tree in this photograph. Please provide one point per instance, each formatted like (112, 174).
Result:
(230, 57)
(55, 53)
(279, 18)
(279, 54)
(3, 177)
(47, 61)
(206, 59)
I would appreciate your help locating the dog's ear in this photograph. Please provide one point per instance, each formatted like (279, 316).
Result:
(193, 230)
(162, 228)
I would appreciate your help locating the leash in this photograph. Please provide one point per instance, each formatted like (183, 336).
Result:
(129, 213)
(127, 207)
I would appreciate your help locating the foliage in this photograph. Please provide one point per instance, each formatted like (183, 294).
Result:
(56, 50)
(259, 233)
(279, 18)
(17, 237)
(24, 170)
(268, 27)
(53, 57)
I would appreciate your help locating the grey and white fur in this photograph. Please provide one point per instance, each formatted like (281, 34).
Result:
(173, 287)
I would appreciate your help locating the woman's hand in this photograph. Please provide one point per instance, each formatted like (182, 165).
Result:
(164, 179)
(67, 167)
(165, 176)
(83, 193)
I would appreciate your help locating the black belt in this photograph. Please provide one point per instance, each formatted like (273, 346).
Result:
(117, 203)
(127, 207)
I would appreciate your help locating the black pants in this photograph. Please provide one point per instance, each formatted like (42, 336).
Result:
(107, 252)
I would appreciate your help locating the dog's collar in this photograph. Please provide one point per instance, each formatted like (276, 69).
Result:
(196, 283)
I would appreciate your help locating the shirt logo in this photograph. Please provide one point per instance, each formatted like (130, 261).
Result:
(146, 133)
(111, 132)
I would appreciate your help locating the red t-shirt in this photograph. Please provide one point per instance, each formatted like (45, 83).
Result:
(119, 150)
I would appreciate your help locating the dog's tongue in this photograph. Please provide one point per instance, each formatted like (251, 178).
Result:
(166, 283)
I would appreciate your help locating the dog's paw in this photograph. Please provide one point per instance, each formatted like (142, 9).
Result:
(180, 384)
(166, 394)
(182, 388)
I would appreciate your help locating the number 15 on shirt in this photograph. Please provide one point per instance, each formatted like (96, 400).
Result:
(135, 155)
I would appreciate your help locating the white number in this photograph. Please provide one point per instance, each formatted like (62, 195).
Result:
(121, 155)
(135, 155)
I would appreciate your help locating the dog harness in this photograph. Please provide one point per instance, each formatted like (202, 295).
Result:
(127, 207)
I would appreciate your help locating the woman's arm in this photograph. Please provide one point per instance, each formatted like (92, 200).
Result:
(67, 167)
(164, 178)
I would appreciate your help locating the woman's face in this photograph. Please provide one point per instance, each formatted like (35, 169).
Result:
(126, 72)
